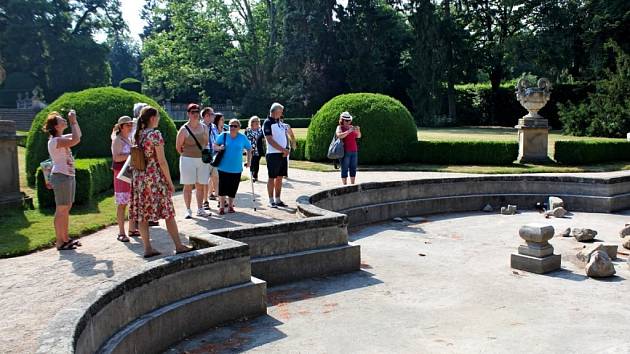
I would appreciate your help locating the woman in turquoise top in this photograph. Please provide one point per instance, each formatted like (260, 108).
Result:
(231, 166)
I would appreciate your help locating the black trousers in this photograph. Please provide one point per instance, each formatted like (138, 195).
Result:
(255, 166)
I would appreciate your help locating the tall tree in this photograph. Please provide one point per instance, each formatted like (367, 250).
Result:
(425, 62)
(373, 37)
(51, 41)
(123, 58)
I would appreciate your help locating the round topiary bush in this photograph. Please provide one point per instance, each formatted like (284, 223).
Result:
(387, 128)
(98, 109)
(131, 84)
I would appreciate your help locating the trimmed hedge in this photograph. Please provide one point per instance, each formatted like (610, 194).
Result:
(387, 127)
(298, 154)
(131, 84)
(98, 109)
(463, 152)
(93, 176)
(584, 152)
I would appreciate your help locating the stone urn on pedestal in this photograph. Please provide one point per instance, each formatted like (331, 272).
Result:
(533, 129)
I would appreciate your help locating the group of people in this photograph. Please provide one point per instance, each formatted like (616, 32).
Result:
(205, 137)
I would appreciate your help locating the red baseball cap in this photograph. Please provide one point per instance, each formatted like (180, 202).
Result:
(192, 106)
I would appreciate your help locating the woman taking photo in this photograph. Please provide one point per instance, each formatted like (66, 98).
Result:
(231, 165)
(121, 148)
(349, 134)
(62, 174)
(255, 136)
(192, 138)
(152, 189)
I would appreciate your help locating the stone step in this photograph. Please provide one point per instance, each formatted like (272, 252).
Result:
(154, 332)
(303, 265)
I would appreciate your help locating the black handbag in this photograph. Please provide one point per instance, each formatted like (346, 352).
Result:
(219, 155)
(206, 154)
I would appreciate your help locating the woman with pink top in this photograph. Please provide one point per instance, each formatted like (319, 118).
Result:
(62, 173)
(121, 149)
(349, 134)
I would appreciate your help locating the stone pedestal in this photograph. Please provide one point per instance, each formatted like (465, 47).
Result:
(536, 255)
(10, 195)
(533, 141)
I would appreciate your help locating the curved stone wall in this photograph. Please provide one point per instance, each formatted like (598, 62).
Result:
(373, 202)
(150, 309)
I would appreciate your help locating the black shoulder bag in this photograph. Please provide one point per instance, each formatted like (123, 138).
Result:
(206, 154)
(219, 155)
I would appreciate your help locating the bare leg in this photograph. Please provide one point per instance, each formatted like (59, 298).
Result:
(278, 186)
(344, 180)
(270, 186)
(221, 202)
(62, 214)
(120, 217)
(188, 194)
(351, 180)
(199, 194)
(173, 231)
(133, 226)
(215, 183)
(146, 241)
(231, 202)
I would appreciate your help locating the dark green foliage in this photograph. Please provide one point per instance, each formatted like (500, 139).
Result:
(463, 152)
(15, 83)
(98, 109)
(474, 104)
(585, 152)
(93, 176)
(386, 125)
(606, 112)
(131, 84)
(298, 154)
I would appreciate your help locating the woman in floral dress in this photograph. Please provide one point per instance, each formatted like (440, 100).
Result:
(153, 188)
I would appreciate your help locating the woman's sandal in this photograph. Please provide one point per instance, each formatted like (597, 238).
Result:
(231, 210)
(134, 233)
(221, 211)
(67, 246)
(152, 254)
(75, 242)
(184, 251)
(122, 238)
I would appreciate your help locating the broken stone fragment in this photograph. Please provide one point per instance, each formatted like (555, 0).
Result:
(585, 253)
(555, 202)
(397, 219)
(600, 265)
(583, 234)
(508, 210)
(626, 243)
(558, 212)
(565, 233)
(488, 208)
(625, 231)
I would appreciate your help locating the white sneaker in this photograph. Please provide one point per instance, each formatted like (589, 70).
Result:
(201, 212)
(188, 214)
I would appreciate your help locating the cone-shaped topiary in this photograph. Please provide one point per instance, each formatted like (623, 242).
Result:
(98, 109)
(387, 127)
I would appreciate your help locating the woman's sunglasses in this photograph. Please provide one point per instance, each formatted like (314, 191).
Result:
(234, 126)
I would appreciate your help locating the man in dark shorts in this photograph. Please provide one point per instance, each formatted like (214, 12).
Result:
(277, 152)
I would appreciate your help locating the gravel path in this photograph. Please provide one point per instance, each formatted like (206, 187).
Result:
(36, 286)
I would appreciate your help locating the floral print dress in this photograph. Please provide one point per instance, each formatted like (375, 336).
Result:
(150, 197)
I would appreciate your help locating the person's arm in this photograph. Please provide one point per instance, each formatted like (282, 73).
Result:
(161, 159)
(358, 131)
(64, 141)
(249, 158)
(218, 147)
(179, 141)
(292, 138)
(117, 154)
(341, 134)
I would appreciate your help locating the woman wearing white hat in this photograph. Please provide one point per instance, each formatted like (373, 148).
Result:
(349, 134)
(121, 149)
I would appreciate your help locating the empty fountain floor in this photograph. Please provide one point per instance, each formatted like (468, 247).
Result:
(444, 286)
